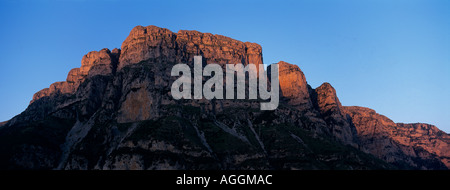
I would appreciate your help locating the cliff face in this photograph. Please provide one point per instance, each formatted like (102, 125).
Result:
(103, 62)
(116, 112)
(331, 110)
(162, 46)
(293, 85)
(419, 145)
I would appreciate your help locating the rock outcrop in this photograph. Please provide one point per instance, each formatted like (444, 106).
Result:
(425, 137)
(419, 145)
(116, 112)
(103, 62)
(330, 108)
(293, 85)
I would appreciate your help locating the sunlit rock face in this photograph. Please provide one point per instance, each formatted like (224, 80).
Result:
(116, 112)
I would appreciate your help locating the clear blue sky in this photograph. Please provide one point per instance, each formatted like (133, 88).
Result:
(391, 56)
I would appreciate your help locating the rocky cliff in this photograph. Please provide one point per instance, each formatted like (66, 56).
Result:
(331, 110)
(418, 145)
(116, 112)
(160, 45)
(103, 62)
(293, 85)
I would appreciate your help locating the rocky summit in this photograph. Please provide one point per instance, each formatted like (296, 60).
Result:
(116, 112)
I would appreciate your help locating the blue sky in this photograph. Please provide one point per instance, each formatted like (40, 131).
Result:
(391, 56)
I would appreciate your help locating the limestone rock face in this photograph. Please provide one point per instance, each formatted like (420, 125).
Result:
(116, 112)
(102, 62)
(326, 101)
(418, 145)
(55, 88)
(94, 63)
(75, 76)
(161, 45)
(426, 137)
(149, 42)
(293, 85)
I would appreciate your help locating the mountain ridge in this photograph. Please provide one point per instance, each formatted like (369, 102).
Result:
(116, 112)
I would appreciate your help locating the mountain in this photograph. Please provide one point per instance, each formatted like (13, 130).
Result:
(419, 145)
(116, 112)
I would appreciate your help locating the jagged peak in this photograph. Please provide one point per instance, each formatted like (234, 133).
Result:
(103, 62)
(326, 98)
(293, 85)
